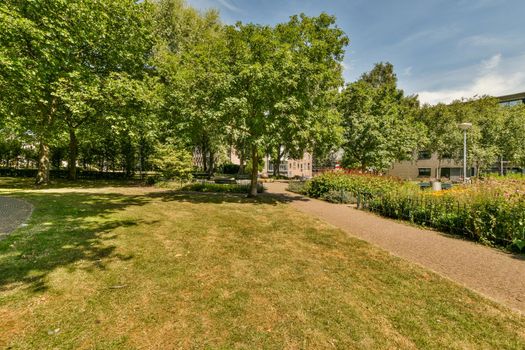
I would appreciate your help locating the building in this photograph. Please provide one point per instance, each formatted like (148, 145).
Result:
(512, 100)
(427, 165)
(290, 167)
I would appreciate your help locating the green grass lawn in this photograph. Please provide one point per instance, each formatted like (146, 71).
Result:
(128, 267)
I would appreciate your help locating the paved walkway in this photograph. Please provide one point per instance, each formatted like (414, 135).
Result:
(13, 213)
(493, 273)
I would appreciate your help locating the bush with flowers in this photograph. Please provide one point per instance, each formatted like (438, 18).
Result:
(352, 182)
(491, 211)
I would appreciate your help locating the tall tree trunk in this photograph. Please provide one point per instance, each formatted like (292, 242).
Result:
(212, 163)
(42, 176)
(204, 152)
(255, 172)
(141, 158)
(73, 155)
(241, 163)
(128, 156)
(277, 163)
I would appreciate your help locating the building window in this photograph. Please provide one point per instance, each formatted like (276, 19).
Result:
(422, 155)
(270, 167)
(424, 172)
(512, 103)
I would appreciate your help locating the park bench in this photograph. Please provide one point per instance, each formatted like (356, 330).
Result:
(446, 186)
(225, 181)
(424, 185)
(201, 176)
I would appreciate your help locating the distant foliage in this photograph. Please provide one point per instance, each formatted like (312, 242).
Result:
(350, 182)
(260, 164)
(173, 162)
(221, 188)
(379, 121)
(230, 169)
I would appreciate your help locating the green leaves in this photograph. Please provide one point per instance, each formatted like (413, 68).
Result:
(284, 79)
(379, 121)
(497, 131)
(173, 161)
(57, 57)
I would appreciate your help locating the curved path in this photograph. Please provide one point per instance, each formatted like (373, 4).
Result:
(13, 213)
(493, 273)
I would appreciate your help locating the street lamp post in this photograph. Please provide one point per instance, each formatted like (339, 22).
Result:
(465, 127)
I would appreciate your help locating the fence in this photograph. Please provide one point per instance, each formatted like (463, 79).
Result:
(62, 174)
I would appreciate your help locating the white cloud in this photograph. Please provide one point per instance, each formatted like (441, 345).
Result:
(228, 5)
(492, 62)
(430, 35)
(487, 41)
(479, 4)
(494, 76)
(407, 71)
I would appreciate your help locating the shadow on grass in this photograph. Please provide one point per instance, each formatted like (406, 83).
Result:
(65, 229)
(29, 183)
(73, 230)
(218, 198)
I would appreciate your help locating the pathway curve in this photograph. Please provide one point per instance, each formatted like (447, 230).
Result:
(13, 213)
(493, 273)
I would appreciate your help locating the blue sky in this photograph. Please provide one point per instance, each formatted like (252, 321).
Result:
(441, 49)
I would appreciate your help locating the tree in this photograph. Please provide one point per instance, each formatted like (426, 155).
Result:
(379, 121)
(55, 57)
(512, 135)
(282, 78)
(194, 74)
(486, 138)
(173, 161)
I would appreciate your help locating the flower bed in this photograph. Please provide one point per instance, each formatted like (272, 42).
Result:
(490, 211)
(322, 185)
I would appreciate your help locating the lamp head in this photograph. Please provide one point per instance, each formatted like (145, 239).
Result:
(465, 126)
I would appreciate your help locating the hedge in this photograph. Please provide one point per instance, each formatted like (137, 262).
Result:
(63, 174)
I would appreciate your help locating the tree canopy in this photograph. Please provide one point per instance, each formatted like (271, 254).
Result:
(379, 121)
(128, 86)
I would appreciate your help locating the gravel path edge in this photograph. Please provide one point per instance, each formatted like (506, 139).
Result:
(14, 212)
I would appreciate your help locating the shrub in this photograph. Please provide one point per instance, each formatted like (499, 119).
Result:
(173, 162)
(296, 187)
(353, 183)
(487, 217)
(230, 169)
(490, 211)
(341, 197)
(220, 188)
(150, 180)
(63, 174)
